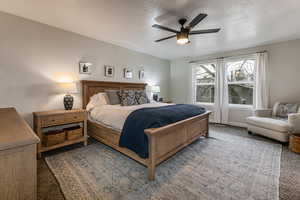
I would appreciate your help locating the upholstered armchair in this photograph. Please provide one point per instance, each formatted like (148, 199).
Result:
(272, 124)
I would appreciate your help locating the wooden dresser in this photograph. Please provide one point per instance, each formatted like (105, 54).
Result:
(18, 175)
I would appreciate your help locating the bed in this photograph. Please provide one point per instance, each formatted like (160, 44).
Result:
(164, 142)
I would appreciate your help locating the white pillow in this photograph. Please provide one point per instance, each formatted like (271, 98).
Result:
(96, 100)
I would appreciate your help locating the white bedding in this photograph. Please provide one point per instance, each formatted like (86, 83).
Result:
(114, 116)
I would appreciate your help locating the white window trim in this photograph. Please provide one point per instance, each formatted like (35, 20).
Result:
(241, 106)
(205, 104)
(241, 82)
(237, 58)
(195, 65)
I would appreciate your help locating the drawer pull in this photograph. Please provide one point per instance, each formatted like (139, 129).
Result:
(53, 120)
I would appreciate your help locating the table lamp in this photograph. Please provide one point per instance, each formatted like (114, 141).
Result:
(155, 90)
(68, 89)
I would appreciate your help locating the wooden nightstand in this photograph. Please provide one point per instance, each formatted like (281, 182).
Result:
(53, 118)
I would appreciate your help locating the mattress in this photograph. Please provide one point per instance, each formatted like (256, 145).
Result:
(114, 116)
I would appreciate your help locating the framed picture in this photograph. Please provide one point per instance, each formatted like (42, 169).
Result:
(141, 74)
(128, 73)
(109, 71)
(85, 68)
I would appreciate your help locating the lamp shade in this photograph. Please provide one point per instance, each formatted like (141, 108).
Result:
(155, 89)
(67, 88)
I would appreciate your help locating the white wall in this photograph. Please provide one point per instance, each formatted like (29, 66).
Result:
(284, 76)
(33, 57)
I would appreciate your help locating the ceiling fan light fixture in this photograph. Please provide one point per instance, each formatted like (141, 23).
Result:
(182, 35)
(182, 38)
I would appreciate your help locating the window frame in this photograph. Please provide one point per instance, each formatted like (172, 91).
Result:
(235, 59)
(195, 84)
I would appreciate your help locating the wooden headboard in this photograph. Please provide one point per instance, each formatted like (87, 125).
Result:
(89, 88)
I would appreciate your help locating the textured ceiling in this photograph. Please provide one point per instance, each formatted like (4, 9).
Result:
(244, 23)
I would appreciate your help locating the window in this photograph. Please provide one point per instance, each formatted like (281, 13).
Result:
(240, 78)
(226, 84)
(204, 78)
(238, 73)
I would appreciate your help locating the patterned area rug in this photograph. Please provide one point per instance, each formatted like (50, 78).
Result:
(221, 167)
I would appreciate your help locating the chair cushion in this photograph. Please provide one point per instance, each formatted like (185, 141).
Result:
(276, 124)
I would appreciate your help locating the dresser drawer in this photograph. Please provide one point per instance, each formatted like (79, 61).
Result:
(52, 120)
(74, 117)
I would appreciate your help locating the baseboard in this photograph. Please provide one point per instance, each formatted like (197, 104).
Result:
(238, 124)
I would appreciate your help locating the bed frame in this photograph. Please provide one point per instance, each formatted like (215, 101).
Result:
(163, 142)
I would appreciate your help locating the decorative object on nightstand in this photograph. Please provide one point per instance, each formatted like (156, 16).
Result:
(58, 118)
(295, 143)
(155, 91)
(68, 89)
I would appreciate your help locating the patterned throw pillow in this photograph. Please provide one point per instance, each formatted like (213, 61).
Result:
(141, 97)
(127, 98)
(283, 109)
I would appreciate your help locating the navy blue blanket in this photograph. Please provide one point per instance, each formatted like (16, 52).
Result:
(133, 136)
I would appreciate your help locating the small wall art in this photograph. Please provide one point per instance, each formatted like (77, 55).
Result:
(85, 68)
(128, 73)
(109, 71)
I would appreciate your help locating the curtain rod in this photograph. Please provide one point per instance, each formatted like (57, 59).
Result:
(195, 61)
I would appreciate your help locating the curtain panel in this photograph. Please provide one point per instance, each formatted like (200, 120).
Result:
(262, 91)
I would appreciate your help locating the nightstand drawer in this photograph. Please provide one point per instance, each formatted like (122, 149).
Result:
(74, 117)
(52, 120)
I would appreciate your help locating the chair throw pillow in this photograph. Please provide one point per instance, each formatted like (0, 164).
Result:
(283, 109)
(127, 98)
(141, 97)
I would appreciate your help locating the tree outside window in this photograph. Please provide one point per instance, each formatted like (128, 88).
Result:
(240, 77)
(205, 82)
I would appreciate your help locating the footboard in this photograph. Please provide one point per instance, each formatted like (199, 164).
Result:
(166, 141)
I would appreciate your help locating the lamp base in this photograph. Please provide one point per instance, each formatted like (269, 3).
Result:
(68, 102)
(155, 97)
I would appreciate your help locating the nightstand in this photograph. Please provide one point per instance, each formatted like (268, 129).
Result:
(54, 118)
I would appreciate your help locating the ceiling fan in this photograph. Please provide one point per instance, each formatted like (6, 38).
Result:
(183, 35)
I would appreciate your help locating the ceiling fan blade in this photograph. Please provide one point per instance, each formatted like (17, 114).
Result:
(196, 20)
(164, 28)
(215, 30)
(165, 38)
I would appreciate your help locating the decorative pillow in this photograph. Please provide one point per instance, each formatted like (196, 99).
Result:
(97, 99)
(283, 109)
(141, 97)
(127, 98)
(113, 97)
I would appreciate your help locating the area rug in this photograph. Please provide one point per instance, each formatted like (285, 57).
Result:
(220, 167)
